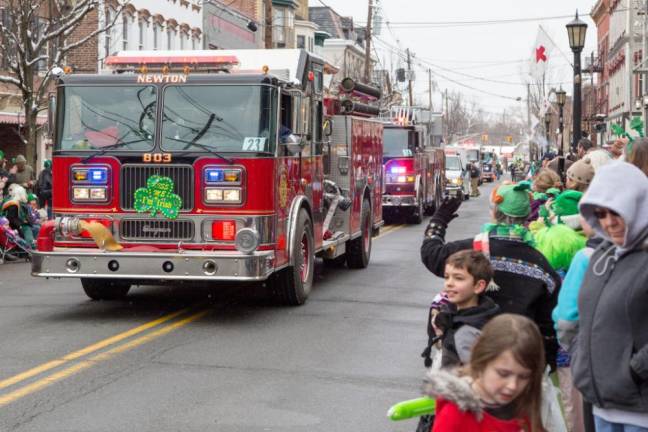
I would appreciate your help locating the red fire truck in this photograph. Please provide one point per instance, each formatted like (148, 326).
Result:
(207, 166)
(414, 173)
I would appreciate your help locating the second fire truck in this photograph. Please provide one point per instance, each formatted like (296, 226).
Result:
(414, 173)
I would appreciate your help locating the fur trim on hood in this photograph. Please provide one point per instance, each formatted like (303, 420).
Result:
(452, 388)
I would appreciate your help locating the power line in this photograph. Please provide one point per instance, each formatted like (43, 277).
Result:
(443, 24)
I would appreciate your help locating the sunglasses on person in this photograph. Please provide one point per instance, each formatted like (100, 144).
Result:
(602, 213)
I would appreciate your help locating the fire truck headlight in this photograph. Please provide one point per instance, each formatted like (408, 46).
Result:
(410, 179)
(81, 193)
(400, 179)
(222, 196)
(213, 195)
(232, 195)
(98, 194)
(247, 240)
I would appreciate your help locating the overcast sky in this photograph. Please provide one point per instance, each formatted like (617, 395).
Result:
(498, 51)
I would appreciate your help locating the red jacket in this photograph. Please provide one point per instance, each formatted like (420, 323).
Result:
(450, 418)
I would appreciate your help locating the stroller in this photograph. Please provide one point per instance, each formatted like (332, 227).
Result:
(12, 246)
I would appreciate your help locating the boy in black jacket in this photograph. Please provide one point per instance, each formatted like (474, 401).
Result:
(467, 274)
(526, 283)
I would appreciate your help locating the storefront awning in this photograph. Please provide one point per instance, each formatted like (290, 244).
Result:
(19, 118)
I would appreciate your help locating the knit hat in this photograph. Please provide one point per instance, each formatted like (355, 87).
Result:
(566, 204)
(20, 158)
(47, 163)
(513, 199)
(31, 197)
(581, 171)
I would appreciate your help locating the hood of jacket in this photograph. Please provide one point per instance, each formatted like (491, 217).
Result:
(475, 316)
(623, 188)
(447, 385)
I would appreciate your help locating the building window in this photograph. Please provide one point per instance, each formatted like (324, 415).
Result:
(301, 41)
(182, 41)
(171, 36)
(125, 32)
(156, 36)
(194, 43)
(108, 35)
(278, 26)
(141, 35)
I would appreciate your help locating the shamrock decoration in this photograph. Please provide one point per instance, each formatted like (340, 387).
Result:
(158, 197)
(637, 125)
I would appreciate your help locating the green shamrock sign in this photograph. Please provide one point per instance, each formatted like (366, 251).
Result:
(158, 197)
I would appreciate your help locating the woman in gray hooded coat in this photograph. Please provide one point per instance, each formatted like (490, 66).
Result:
(610, 354)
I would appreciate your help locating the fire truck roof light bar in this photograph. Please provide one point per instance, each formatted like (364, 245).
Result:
(155, 61)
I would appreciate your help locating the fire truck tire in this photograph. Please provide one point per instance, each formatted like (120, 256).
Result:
(417, 214)
(105, 289)
(292, 285)
(358, 250)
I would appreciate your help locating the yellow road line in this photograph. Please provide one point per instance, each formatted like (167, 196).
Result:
(390, 230)
(94, 360)
(87, 350)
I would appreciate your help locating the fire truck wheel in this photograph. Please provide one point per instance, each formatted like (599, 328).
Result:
(105, 289)
(359, 249)
(292, 285)
(417, 214)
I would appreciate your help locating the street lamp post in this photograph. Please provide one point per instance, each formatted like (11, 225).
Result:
(561, 98)
(547, 120)
(576, 31)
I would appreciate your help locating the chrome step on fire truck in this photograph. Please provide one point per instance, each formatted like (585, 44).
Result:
(207, 166)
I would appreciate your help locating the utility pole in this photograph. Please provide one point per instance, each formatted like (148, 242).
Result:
(430, 87)
(528, 100)
(409, 78)
(268, 24)
(630, 59)
(644, 56)
(368, 44)
(447, 133)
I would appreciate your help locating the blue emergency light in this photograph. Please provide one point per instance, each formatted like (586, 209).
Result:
(98, 175)
(214, 175)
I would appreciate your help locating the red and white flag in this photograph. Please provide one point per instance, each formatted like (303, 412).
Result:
(541, 55)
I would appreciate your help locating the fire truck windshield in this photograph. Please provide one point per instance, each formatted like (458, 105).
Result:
(226, 118)
(107, 117)
(395, 142)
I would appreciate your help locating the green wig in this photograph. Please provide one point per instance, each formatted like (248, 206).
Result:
(559, 243)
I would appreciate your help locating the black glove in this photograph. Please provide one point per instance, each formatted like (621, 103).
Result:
(443, 321)
(442, 216)
(447, 210)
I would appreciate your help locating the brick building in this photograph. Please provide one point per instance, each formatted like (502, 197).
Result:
(600, 14)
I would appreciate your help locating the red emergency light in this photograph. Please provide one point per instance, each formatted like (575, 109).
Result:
(167, 61)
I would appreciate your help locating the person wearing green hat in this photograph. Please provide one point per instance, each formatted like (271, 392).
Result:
(524, 281)
(43, 188)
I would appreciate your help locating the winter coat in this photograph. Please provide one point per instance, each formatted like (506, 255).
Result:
(44, 187)
(527, 284)
(610, 353)
(17, 213)
(461, 328)
(458, 408)
(565, 314)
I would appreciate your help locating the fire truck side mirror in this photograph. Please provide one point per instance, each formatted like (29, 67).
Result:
(51, 115)
(293, 143)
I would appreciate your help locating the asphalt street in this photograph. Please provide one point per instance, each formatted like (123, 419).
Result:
(188, 358)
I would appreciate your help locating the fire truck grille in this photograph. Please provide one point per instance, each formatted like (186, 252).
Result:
(154, 229)
(134, 176)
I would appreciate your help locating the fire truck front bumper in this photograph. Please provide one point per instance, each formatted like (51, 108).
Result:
(399, 201)
(189, 265)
